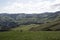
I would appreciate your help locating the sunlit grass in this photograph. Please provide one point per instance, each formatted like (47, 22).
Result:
(39, 35)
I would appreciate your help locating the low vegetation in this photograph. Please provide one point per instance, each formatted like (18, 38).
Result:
(39, 35)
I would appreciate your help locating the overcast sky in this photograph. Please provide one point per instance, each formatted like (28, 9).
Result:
(29, 6)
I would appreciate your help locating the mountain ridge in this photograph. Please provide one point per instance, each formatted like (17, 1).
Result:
(8, 21)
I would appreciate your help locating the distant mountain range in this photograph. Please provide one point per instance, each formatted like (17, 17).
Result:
(8, 21)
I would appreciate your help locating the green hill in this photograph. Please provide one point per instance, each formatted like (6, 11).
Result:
(44, 20)
(50, 26)
(25, 27)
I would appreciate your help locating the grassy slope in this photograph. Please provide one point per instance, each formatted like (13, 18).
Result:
(29, 35)
(25, 27)
(52, 25)
(14, 35)
(38, 27)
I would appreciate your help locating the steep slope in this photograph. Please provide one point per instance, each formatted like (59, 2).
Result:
(52, 26)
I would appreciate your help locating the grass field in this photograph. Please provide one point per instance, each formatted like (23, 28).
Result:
(39, 35)
(16, 34)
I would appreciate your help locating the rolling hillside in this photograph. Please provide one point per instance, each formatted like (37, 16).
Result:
(46, 21)
(52, 26)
